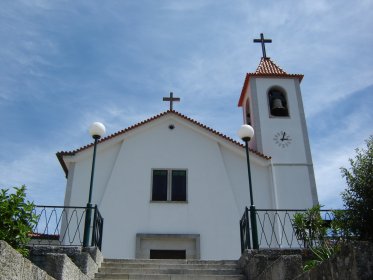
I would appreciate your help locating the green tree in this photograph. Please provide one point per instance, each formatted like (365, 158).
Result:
(16, 218)
(358, 196)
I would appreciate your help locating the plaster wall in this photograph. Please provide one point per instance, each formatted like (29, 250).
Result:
(293, 174)
(217, 187)
(267, 126)
(293, 187)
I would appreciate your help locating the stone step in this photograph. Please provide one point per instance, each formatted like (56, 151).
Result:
(168, 277)
(105, 266)
(189, 271)
(171, 261)
(169, 269)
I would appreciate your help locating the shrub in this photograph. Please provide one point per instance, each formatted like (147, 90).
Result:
(16, 218)
(314, 232)
(309, 226)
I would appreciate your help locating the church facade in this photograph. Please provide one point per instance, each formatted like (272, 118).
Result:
(173, 185)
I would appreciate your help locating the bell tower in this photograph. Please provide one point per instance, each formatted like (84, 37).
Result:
(272, 104)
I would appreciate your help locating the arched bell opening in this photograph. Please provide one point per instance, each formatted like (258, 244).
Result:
(278, 105)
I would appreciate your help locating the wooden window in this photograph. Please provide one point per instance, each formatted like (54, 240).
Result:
(159, 185)
(169, 185)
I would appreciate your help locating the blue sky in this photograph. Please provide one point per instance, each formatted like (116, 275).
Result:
(65, 64)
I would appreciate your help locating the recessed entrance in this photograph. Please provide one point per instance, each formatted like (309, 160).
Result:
(167, 254)
(167, 246)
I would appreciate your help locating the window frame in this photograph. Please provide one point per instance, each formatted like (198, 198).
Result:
(169, 185)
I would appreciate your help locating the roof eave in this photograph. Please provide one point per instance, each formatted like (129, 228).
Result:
(244, 89)
(62, 162)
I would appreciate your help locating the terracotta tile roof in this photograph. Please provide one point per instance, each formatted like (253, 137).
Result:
(267, 66)
(266, 69)
(71, 153)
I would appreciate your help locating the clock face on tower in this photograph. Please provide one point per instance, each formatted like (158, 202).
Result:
(282, 139)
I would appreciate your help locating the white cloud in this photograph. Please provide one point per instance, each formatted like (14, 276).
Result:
(339, 136)
(114, 62)
(39, 170)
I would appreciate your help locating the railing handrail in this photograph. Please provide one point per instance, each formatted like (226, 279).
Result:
(276, 227)
(67, 223)
(68, 207)
(297, 210)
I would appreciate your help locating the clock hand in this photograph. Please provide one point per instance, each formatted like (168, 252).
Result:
(283, 137)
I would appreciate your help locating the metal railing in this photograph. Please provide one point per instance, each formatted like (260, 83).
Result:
(245, 231)
(276, 228)
(64, 226)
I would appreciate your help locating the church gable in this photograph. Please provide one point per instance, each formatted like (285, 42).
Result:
(66, 156)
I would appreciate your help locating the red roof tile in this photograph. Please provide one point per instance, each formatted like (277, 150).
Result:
(266, 69)
(71, 153)
(267, 66)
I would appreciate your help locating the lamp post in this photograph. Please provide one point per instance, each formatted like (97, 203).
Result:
(96, 130)
(246, 132)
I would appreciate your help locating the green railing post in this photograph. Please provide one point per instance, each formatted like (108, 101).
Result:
(87, 225)
(247, 232)
(254, 229)
(88, 215)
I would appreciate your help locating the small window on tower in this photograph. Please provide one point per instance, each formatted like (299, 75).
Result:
(278, 106)
(248, 117)
(169, 185)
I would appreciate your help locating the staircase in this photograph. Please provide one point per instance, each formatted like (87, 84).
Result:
(169, 270)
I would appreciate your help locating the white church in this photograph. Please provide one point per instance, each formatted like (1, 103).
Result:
(172, 185)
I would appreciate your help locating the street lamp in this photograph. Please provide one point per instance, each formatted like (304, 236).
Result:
(96, 130)
(246, 132)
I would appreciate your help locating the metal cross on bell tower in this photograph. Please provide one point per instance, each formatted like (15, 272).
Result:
(171, 99)
(263, 41)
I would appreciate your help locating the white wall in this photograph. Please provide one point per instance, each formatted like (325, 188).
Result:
(293, 184)
(295, 152)
(293, 174)
(217, 187)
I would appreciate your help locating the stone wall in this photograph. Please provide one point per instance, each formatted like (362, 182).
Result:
(49, 262)
(13, 266)
(61, 267)
(353, 262)
(86, 261)
(273, 264)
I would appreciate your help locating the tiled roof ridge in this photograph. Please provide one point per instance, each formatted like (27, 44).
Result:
(267, 66)
(64, 153)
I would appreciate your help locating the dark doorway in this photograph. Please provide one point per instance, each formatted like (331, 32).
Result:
(167, 254)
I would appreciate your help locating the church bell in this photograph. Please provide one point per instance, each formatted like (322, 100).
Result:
(277, 108)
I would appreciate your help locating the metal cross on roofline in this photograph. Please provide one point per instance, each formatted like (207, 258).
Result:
(171, 99)
(263, 41)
